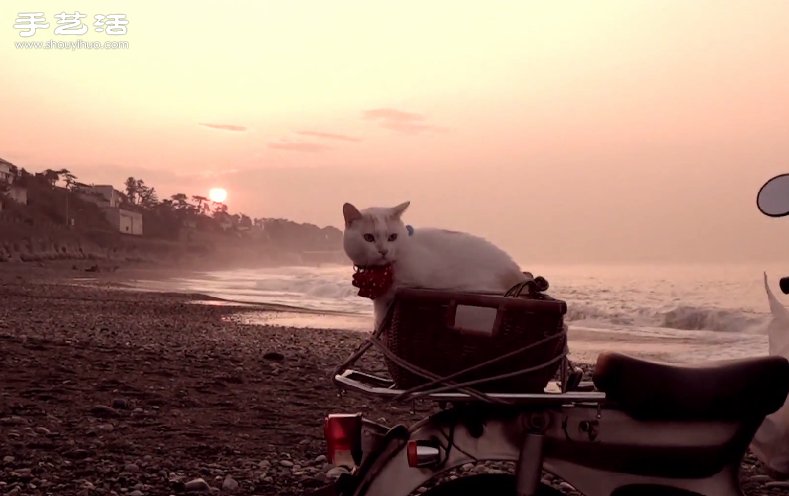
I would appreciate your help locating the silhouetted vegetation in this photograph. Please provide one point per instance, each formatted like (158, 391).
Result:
(181, 217)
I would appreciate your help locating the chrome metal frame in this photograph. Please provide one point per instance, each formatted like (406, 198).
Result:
(365, 383)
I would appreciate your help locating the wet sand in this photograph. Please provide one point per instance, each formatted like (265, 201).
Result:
(120, 392)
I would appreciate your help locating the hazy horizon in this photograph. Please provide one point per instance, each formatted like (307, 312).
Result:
(607, 132)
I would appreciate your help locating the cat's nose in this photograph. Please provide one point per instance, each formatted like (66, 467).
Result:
(383, 251)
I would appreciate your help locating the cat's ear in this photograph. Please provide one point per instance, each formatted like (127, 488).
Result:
(350, 213)
(397, 211)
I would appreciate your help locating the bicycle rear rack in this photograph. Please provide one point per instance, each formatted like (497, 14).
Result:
(373, 385)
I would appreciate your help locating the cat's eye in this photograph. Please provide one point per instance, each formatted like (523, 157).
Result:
(369, 238)
(392, 236)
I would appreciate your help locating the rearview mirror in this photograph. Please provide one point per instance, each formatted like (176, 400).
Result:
(773, 197)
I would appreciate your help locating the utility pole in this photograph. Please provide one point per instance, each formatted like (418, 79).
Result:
(68, 220)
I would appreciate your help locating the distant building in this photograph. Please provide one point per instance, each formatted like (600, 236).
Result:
(109, 199)
(102, 195)
(8, 174)
(126, 221)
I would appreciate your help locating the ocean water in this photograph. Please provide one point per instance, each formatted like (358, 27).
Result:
(677, 313)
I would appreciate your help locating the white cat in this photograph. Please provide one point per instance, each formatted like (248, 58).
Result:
(425, 257)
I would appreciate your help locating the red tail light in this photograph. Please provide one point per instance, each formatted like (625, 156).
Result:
(343, 432)
(423, 453)
(410, 450)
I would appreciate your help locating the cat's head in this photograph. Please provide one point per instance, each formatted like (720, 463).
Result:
(374, 236)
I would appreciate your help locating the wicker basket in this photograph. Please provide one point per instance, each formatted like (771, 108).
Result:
(445, 332)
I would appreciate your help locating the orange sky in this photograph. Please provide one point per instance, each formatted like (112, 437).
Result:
(563, 131)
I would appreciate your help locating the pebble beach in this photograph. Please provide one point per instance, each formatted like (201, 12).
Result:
(107, 391)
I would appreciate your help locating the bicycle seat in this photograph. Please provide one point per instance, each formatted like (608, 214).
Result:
(732, 390)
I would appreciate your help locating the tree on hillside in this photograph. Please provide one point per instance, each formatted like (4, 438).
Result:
(245, 221)
(179, 200)
(220, 210)
(51, 176)
(146, 196)
(131, 190)
(69, 178)
(202, 204)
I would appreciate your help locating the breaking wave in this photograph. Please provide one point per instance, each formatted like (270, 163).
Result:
(331, 288)
(683, 317)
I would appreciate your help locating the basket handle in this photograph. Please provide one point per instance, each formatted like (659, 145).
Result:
(478, 319)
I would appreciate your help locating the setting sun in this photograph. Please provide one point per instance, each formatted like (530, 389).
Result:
(218, 195)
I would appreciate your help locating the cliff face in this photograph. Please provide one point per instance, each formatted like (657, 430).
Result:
(21, 242)
(25, 243)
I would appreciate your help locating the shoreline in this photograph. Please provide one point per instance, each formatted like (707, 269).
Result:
(586, 342)
(123, 277)
(111, 391)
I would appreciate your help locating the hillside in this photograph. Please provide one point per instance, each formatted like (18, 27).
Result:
(67, 223)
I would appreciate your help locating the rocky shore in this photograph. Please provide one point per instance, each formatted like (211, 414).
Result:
(21, 242)
(111, 392)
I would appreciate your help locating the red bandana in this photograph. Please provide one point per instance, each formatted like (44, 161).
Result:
(373, 281)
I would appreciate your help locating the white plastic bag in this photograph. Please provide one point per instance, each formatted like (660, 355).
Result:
(771, 442)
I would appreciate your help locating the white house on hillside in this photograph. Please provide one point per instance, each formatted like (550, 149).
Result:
(109, 199)
(126, 221)
(8, 177)
(104, 195)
